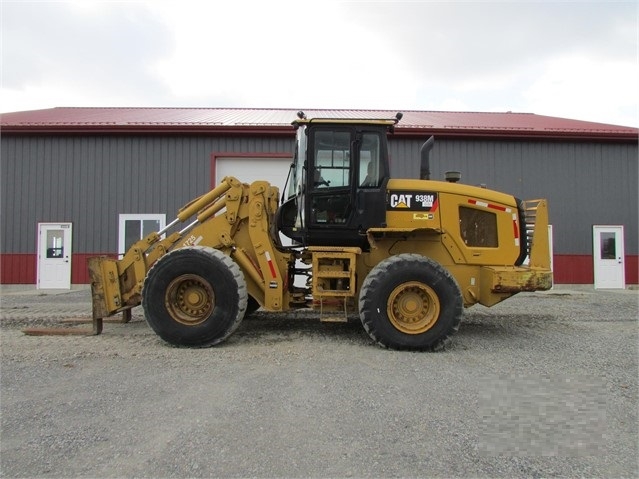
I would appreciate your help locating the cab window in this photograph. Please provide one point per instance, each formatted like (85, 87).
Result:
(332, 159)
(369, 161)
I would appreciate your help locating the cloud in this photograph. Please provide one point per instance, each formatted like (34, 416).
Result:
(602, 91)
(575, 59)
(458, 39)
(280, 54)
(87, 50)
(571, 59)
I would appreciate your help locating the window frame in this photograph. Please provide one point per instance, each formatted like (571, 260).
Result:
(124, 217)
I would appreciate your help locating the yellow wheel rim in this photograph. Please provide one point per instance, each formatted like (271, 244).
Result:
(189, 299)
(413, 307)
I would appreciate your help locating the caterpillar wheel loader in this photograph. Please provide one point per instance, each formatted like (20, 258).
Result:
(406, 255)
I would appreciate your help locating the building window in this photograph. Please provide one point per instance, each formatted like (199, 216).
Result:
(478, 227)
(134, 227)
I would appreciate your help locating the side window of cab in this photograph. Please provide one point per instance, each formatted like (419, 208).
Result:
(370, 174)
(332, 159)
(330, 198)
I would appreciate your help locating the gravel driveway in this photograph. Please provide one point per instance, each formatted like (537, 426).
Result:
(542, 385)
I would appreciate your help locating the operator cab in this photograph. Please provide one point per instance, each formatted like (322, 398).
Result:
(337, 183)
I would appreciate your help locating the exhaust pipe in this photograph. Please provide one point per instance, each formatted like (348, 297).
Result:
(424, 152)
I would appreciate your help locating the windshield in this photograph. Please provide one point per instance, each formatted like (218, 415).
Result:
(296, 184)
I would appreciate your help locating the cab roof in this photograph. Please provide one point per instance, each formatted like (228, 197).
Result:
(387, 122)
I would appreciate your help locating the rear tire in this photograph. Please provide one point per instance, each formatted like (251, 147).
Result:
(411, 302)
(194, 297)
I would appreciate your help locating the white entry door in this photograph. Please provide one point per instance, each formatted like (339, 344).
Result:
(608, 256)
(54, 255)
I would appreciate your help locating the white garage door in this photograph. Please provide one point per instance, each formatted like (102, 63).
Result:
(248, 170)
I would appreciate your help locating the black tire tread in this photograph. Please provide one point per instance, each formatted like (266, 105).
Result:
(205, 253)
(370, 290)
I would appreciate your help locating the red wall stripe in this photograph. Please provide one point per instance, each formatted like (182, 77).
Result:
(18, 269)
(579, 269)
(23, 268)
(79, 266)
(569, 269)
(573, 269)
(632, 269)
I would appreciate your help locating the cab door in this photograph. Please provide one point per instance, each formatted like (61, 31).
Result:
(347, 173)
(330, 177)
(372, 178)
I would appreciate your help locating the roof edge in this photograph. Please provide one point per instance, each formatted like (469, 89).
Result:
(287, 130)
(517, 134)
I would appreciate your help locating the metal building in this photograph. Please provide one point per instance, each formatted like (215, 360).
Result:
(80, 182)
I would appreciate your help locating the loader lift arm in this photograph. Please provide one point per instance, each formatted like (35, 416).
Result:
(116, 285)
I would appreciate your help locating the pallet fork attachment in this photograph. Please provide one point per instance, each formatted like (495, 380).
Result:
(96, 329)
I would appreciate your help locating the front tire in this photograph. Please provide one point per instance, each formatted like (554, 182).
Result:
(411, 302)
(194, 297)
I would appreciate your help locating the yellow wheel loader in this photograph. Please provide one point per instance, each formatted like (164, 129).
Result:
(406, 255)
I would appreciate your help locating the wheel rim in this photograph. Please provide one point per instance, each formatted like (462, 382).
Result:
(190, 299)
(413, 307)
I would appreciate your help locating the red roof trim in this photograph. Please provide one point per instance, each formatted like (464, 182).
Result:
(519, 134)
(149, 129)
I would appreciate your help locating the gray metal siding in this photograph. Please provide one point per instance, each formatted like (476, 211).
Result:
(585, 183)
(89, 180)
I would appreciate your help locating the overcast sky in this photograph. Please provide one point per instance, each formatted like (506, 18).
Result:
(567, 59)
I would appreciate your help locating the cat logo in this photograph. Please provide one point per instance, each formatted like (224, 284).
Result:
(400, 201)
(411, 200)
